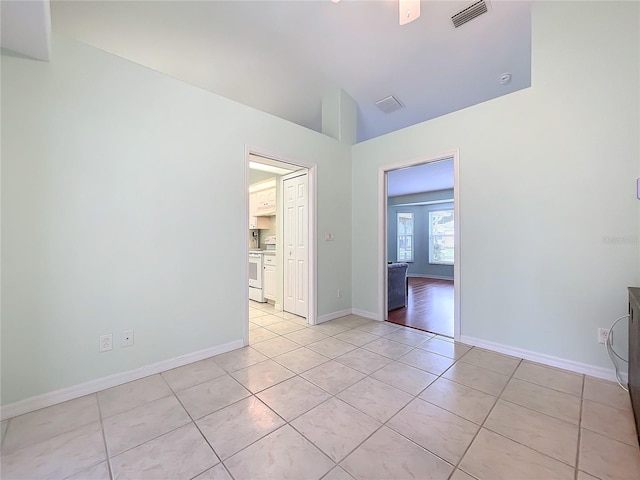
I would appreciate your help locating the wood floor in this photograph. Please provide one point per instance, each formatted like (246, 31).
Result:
(429, 307)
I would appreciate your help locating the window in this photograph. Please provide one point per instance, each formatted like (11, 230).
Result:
(441, 240)
(405, 237)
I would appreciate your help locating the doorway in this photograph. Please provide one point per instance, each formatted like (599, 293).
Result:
(419, 234)
(285, 285)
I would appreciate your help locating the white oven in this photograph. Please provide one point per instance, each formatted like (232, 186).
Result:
(255, 277)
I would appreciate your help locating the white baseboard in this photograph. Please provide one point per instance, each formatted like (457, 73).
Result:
(92, 386)
(277, 307)
(365, 314)
(578, 367)
(334, 315)
(425, 275)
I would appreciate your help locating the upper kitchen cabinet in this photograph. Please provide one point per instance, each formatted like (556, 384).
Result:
(262, 203)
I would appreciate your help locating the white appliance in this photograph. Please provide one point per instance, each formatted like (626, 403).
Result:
(255, 276)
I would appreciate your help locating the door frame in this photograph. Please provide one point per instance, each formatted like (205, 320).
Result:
(312, 209)
(383, 235)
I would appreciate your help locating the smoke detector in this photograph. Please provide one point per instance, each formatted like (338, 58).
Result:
(505, 78)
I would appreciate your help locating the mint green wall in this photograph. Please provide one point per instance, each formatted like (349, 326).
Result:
(122, 195)
(547, 175)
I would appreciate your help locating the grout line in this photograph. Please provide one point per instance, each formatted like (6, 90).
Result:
(104, 439)
(385, 423)
(4, 434)
(487, 416)
(204, 437)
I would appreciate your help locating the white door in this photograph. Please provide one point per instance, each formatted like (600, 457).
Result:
(296, 240)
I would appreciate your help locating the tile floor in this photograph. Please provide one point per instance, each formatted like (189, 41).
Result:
(346, 399)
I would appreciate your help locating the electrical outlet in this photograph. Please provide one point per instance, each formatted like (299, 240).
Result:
(106, 342)
(127, 338)
(603, 333)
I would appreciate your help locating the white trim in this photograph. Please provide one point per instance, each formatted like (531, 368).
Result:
(457, 277)
(365, 314)
(550, 360)
(426, 275)
(334, 315)
(312, 185)
(382, 232)
(92, 386)
(383, 249)
(245, 271)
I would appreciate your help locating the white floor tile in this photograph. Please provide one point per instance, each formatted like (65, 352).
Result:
(141, 424)
(193, 374)
(234, 427)
(441, 432)
(333, 376)
(213, 395)
(363, 360)
(388, 455)
(262, 375)
(56, 457)
(48, 422)
(283, 454)
(293, 397)
(376, 399)
(336, 427)
(182, 453)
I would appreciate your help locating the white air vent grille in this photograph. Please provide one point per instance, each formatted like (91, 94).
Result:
(472, 11)
(389, 104)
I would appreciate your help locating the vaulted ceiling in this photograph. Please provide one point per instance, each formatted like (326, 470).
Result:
(282, 57)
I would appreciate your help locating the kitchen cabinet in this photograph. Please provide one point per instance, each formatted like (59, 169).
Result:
(262, 198)
(266, 202)
(256, 221)
(269, 285)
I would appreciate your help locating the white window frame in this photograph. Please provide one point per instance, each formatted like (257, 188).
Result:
(402, 257)
(433, 237)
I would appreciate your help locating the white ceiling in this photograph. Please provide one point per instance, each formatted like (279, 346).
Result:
(428, 177)
(282, 57)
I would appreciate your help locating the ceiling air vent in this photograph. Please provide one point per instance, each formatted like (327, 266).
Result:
(389, 104)
(472, 11)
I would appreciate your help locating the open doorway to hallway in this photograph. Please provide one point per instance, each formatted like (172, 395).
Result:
(420, 253)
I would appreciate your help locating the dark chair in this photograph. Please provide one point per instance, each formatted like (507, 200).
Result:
(397, 285)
